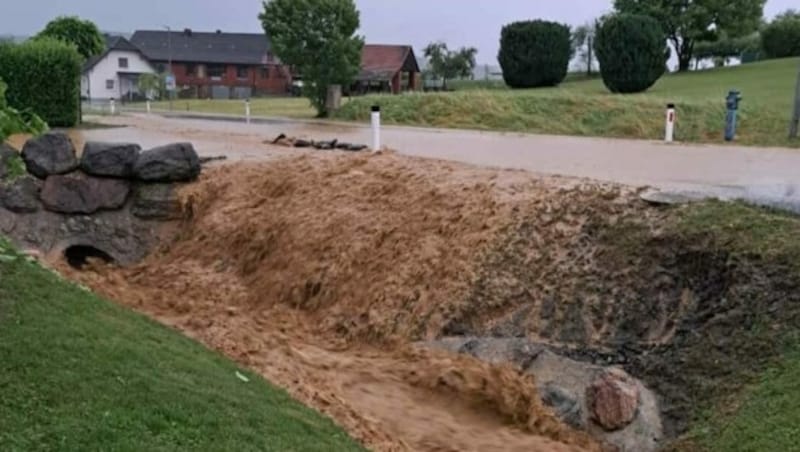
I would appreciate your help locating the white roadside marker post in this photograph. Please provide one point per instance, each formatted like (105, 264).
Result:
(148, 106)
(376, 128)
(247, 110)
(670, 128)
(112, 106)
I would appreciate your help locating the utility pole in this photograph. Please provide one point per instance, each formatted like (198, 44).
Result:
(169, 64)
(793, 127)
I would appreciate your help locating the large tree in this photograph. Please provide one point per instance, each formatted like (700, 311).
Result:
(688, 21)
(84, 34)
(583, 45)
(318, 39)
(449, 64)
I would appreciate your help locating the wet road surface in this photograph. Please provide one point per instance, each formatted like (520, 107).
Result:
(771, 174)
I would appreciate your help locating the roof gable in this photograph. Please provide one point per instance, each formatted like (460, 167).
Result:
(380, 61)
(113, 43)
(201, 47)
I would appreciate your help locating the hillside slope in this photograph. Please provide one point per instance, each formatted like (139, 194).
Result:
(80, 373)
(587, 108)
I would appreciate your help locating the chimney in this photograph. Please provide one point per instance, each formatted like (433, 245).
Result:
(187, 32)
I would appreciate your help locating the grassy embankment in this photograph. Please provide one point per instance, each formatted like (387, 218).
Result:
(586, 108)
(765, 415)
(80, 373)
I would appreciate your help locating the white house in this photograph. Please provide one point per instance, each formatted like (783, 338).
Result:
(115, 73)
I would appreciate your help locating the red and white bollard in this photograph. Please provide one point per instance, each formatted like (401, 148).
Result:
(670, 128)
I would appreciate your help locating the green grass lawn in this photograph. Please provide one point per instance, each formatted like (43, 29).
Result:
(585, 107)
(766, 415)
(767, 420)
(78, 373)
(287, 107)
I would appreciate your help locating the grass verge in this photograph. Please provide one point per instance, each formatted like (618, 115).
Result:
(287, 107)
(80, 373)
(586, 108)
(765, 415)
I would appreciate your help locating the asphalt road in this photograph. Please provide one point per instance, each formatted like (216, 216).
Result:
(725, 171)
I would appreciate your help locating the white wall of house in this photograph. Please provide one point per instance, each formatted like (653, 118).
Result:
(103, 82)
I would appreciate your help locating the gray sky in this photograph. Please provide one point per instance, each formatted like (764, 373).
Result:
(458, 22)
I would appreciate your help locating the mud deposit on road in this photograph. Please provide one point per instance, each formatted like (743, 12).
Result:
(319, 271)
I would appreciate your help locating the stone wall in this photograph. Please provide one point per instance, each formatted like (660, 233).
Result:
(114, 197)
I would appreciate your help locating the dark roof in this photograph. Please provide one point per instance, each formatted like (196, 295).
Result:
(199, 47)
(112, 43)
(382, 62)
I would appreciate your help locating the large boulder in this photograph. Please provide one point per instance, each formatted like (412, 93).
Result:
(613, 399)
(50, 154)
(7, 154)
(156, 202)
(81, 194)
(171, 163)
(109, 159)
(21, 195)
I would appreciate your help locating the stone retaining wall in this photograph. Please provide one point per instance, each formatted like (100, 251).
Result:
(115, 197)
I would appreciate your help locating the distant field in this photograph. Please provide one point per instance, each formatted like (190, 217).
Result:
(287, 107)
(587, 108)
(78, 373)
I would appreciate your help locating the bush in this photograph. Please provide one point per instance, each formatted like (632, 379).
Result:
(43, 76)
(781, 38)
(534, 53)
(13, 121)
(632, 52)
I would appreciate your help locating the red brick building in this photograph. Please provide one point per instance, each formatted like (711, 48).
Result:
(216, 65)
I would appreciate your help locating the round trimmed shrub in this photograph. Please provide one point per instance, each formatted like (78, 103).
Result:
(534, 53)
(781, 38)
(632, 52)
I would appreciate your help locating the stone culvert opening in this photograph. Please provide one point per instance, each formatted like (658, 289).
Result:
(78, 256)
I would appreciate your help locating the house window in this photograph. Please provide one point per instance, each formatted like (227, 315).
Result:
(123, 63)
(242, 72)
(110, 84)
(191, 70)
(216, 71)
(265, 72)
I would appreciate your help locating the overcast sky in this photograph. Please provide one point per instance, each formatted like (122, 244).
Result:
(417, 22)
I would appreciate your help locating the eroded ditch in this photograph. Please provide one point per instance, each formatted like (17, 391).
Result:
(326, 274)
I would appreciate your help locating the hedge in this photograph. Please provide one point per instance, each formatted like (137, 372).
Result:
(534, 53)
(632, 52)
(14, 121)
(781, 38)
(43, 76)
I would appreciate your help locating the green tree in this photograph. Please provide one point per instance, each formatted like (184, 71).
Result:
(152, 85)
(726, 47)
(632, 52)
(448, 64)
(534, 53)
(781, 38)
(84, 34)
(318, 38)
(583, 45)
(688, 21)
